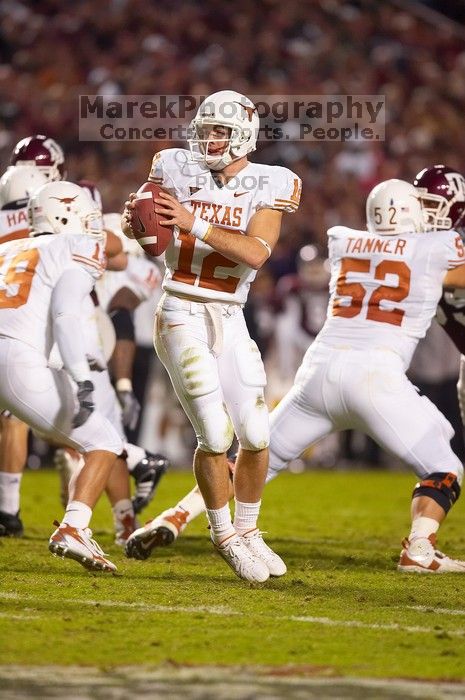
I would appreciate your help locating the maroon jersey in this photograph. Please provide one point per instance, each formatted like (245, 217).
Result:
(451, 316)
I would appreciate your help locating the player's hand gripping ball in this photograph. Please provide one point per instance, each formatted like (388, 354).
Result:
(145, 222)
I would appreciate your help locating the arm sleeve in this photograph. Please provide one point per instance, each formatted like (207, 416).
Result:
(163, 162)
(68, 294)
(283, 192)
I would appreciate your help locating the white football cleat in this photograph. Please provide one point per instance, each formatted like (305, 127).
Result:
(421, 556)
(159, 532)
(76, 543)
(242, 561)
(258, 548)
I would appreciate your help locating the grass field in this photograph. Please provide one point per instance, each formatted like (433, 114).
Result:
(342, 610)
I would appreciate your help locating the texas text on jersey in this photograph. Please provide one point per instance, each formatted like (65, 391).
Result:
(192, 267)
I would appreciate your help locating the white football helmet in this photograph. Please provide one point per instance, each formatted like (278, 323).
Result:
(229, 109)
(63, 207)
(112, 221)
(18, 183)
(394, 207)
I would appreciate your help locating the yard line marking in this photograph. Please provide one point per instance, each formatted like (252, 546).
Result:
(226, 612)
(212, 610)
(365, 625)
(429, 608)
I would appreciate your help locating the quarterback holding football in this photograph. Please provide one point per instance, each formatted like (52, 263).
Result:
(226, 216)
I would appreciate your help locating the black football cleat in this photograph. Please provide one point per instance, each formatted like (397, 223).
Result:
(159, 532)
(11, 525)
(147, 473)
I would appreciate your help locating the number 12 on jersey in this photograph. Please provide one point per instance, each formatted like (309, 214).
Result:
(357, 292)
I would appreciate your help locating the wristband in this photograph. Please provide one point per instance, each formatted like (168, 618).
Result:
(123, 384)
(264, 243)
(200, 228)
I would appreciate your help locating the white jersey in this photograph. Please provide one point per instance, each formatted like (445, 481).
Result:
(384, 290)
(29, 271)
(141, 276)
(193, 268)
(14, 224)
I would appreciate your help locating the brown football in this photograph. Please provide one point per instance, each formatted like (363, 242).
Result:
(145, 223)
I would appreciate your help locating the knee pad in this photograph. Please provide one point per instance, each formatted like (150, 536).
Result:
(254, 433)
(217, 432)
(441, 487)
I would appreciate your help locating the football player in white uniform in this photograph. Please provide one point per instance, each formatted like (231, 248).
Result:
(35, 160)
(43, 282)
(16, 185)
(227, 215)
(385, 286)
(119, 293)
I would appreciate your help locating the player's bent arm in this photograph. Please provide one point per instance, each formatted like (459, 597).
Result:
(253, 249)
(120, 310)
(68, 294)
(118, 262)
(455, 278)
(113, 245)
(256, 246)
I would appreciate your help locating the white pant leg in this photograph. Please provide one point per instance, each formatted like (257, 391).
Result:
(106, 401)
(386, 406)
(300, 418)
(183, 337)
(243, 379)
(44, 399)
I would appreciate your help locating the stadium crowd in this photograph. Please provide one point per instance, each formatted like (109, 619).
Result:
(50, 55)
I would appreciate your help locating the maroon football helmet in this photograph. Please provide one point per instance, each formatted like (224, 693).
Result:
(93, 190)
(442, 196)
(43, 152)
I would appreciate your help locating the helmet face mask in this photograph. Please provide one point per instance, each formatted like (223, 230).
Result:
(63, 208)
(442, 194)
(223, 110)
(393, 207)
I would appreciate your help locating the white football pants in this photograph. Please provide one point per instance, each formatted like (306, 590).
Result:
(44, 398)
(216, 371)
(362, 390)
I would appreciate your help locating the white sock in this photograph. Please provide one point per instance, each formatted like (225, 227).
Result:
(423, 527)
(135, 455)
(221, 525)
(246, 516)
(77, 514)
(121, 509)
(192, 504)
(9, 492)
